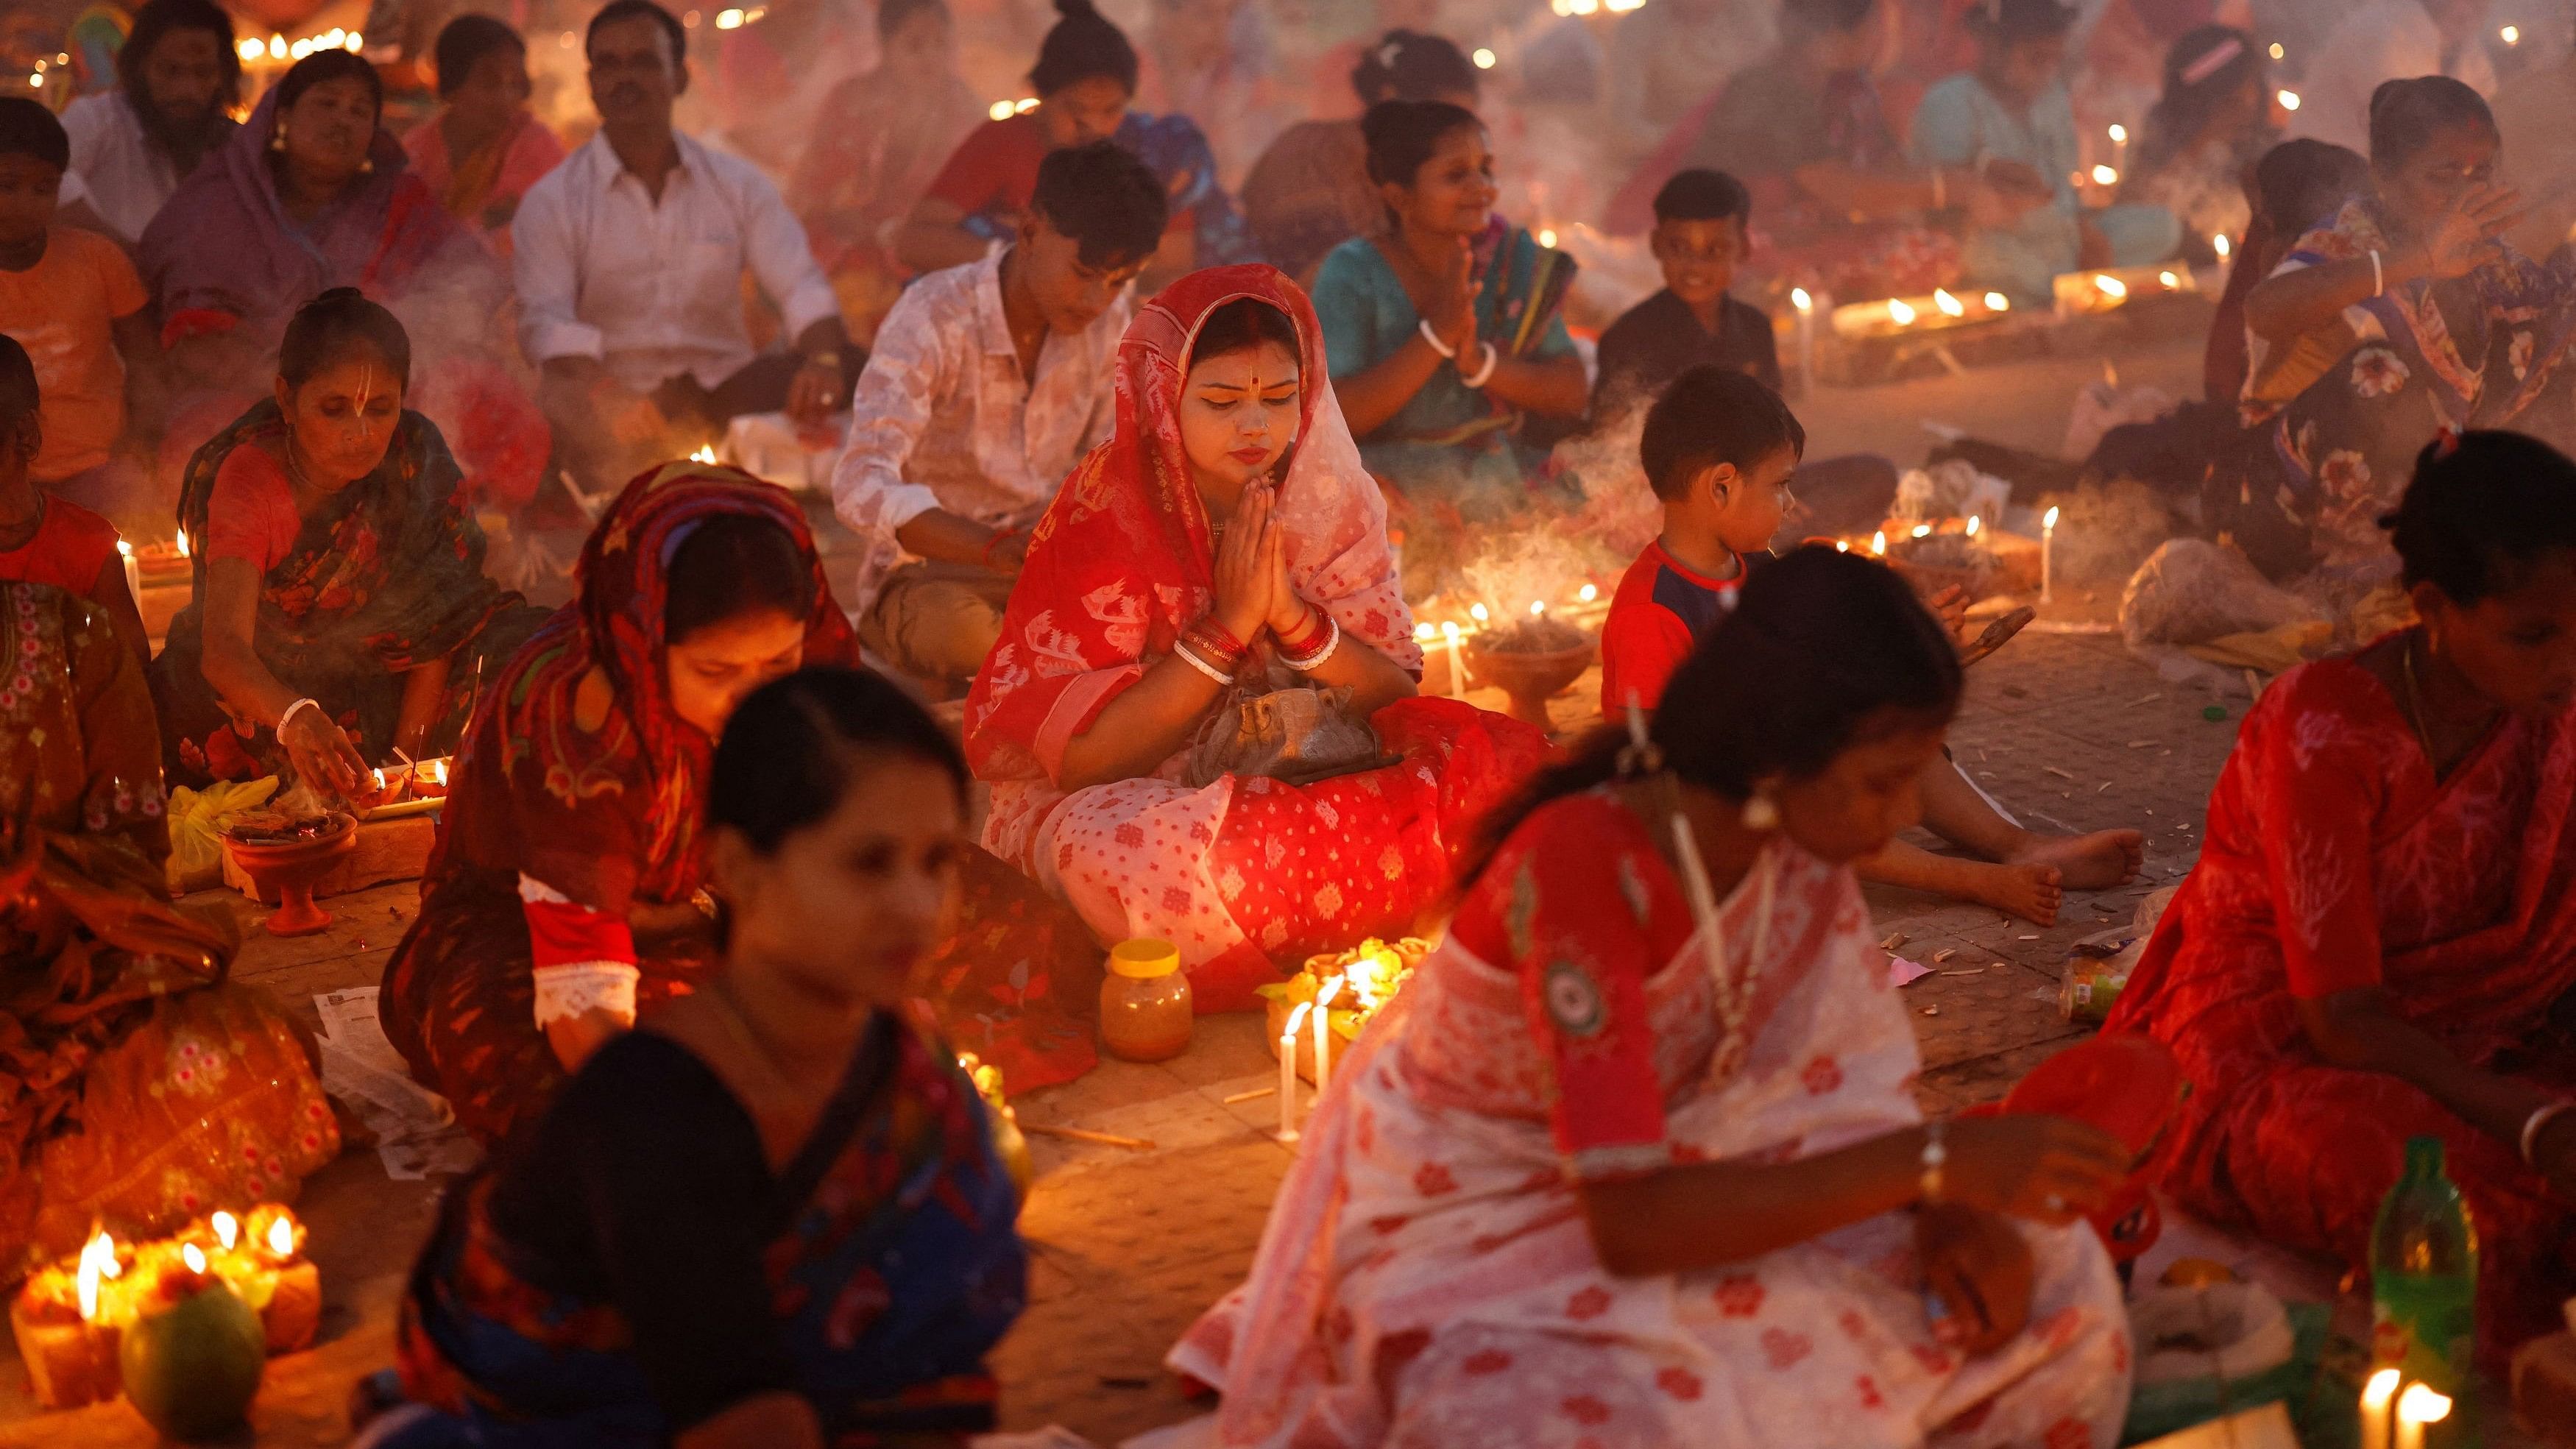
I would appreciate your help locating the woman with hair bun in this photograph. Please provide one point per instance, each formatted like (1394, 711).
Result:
(2212, 123)
(1310, 192)
(1620, 1169)
(2379, 941)
(1085, 79)
(2403, 313)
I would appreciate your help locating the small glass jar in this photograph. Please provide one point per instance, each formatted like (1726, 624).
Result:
(1145, 1009)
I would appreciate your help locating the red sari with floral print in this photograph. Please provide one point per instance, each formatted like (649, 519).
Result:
(1240, 873)
(1427, 1273)
(2335, 859)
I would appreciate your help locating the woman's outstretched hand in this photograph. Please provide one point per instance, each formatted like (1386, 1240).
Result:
(2463, 238)
(1978, 1270)
(2047, 1169)
(322, 754)
(1251, 566)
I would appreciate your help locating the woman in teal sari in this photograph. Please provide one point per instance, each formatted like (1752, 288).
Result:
(1442, 332)
(771, 1216)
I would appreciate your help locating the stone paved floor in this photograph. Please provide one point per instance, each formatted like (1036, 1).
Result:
(1131, 1245)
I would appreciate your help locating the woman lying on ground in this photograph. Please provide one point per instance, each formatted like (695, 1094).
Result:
(341, 611)
(772, 1217)
(1619, 1170)
(1225, 544)
(2379, 941)
(2401, 313)
(570, 885)
(143, 1090)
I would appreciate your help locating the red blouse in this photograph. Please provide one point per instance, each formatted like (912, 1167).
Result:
(251, 513)
(71, 549)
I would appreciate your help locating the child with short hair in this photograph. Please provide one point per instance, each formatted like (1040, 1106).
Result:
(73, 301)
(1699, 237)
(50, 540)
(1719, 449)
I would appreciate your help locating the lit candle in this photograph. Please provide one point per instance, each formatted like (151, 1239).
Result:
(183, 543)
(1588, 593)
(2047, 547)
(1878, 544)
(1922, 530)
(1998, 302)
(1478, 613)
(2119, 146)
(1288, 1072)
(2378, 1405)
(1457, 661)
(1538, 608)
(1900, 312)
(1324, 1034)
(2418, 1406)
(1806, 306)
(2289, 100)
(1950, 306)
(2510, 35)
(133, 571)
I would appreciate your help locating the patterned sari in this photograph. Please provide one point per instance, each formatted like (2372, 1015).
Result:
(897, 1269)
(386, 576)
(1243, 875)
(2335, 859)
(1427, 1273)
(2347, 410)
(137, 1089)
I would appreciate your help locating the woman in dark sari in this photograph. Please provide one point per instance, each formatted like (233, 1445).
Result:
(137, 1088)
(772, 1216)
(2400, 316)
(312, 194)
(341, 610)
(570, 885)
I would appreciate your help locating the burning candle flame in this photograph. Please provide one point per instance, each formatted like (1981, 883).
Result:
(1897, 309)
(1878, 542)
(2048, 519)
(2289, 100)
(999, 111)
(1588, 592)
(1798, 297)
(2105, 176)
(2510, 35)
(97, 1262)
(189, 1254)
(183, 543)
(2119, 134)
(1950, 306)
(2221, 245)
(437, 771)
(1025, 105)
(1842, 545)
(1998, 302)
(2421, 1404)
(1972, 525)
(2169, 279)
(2381, 1388)
(124, 549)
(227, 1229)
(706, 453)
(1547, 236)
(281, 1238)
(1538, 608)
(2110, 286)
(1922, 530)
(1478, 613)
(1296, 1019)
(1450, 629)
(1423, 633)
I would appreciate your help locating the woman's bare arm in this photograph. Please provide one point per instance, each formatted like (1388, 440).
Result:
(1141, 728)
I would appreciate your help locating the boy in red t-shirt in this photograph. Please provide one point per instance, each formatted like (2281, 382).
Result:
(49, 540)
(1719, 449)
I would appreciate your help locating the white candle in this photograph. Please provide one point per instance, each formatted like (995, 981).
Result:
(2417, 1407)
(2119, 148)
(1806, 339)
(133, 571)
(2047, 548)
(1457, 662)
(1324, 1034)
(1288, 1072)
(2378, 1404)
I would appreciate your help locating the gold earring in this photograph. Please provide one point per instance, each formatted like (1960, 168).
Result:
(1761, 813)
(367, 167)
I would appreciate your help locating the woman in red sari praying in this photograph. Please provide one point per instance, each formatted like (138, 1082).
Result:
(2380, 939)
(1225, 544)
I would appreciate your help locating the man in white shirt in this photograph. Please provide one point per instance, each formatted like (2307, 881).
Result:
(989, 383)
(176, 76)
(629, 259)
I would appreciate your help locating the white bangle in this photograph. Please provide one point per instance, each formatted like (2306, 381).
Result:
(308, 702)
(1485, 373)
(2378, 278)
(1190, 657)
(1443, 348)
(2537, 1123)
(1315, 661)
(1936, 1156)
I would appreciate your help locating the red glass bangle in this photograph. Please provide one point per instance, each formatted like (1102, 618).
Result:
(1215, 643)
(1221, 636)
(1318, 629)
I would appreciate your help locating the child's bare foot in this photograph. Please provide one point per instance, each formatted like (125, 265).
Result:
(2029, 890)
(2094, 862)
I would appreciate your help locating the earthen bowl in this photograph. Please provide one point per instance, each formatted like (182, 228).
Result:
(292, 868)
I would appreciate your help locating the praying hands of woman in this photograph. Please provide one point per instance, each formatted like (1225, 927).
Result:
(1451, 306)
(1252, 589)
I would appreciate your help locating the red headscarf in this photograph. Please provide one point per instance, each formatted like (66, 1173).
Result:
(1125, 558)
(576, 770)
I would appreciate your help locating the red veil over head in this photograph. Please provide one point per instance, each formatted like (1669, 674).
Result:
(1124, 560)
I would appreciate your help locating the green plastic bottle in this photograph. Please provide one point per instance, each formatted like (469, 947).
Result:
(2424, 1275)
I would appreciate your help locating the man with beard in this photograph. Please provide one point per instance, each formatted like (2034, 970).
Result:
(629, 259)
(176, 77)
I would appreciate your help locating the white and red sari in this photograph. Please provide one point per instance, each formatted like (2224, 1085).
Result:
(1428, 1277)
(1243, 875)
